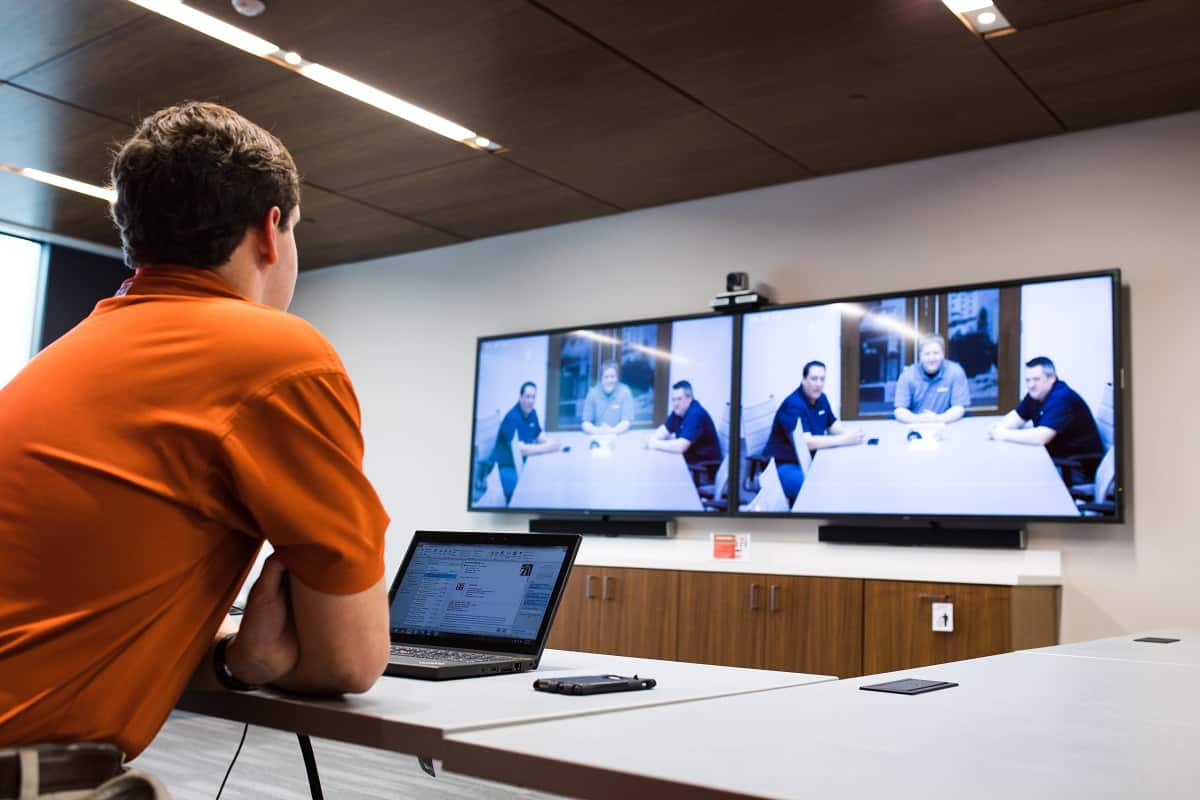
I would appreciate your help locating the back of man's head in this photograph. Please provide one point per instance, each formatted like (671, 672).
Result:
(192, 179)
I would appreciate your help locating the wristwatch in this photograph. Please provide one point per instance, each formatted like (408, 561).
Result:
(225, 675)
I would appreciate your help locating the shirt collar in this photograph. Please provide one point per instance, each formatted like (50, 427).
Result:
(177, 280)
(931, 378)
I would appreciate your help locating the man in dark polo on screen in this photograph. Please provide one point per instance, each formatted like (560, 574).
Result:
(688, 430)
(809, 406)
(1058, 418)
(521, 419)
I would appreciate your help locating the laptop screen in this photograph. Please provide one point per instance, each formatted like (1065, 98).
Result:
(500, 591)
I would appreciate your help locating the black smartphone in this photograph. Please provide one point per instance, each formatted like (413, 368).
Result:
(593, 684)
(873, 440)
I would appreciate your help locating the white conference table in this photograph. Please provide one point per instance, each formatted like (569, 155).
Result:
(1018, 725)
(1186, 651)
(623, 474)
(415, 716)
(962, 473)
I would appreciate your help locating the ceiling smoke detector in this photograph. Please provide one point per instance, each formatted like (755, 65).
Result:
(249, 8)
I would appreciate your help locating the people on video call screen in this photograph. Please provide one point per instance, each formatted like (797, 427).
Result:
(632, 417)
(987, 401)
(979, 402)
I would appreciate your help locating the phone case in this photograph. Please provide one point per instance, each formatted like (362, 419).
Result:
(593, 684)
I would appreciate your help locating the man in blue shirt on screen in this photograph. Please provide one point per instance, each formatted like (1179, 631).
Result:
(609, 406)
(809, 406)
(522, 420)
(934, 388)
(1057, 418)
(688, 430)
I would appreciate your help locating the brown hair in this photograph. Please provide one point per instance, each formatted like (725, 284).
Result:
(192, 179)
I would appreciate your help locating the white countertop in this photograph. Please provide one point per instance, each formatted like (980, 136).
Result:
(940, 564)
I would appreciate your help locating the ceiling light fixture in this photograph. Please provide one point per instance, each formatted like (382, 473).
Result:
(99, 192)
(965, 6)
(289, 59)
(980, 16)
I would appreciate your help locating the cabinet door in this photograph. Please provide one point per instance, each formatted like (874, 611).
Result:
(721, 617)
(814, 625)
(638, 613)
(576, 614)
(898, 629)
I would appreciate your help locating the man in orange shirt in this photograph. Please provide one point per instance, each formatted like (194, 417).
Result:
(148, 453)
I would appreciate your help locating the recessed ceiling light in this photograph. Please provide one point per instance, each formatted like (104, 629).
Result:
(483, 141)
(99, 192)
(232, 35)
(986, 18)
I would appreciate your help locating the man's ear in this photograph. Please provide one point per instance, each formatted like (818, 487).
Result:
(268, 236)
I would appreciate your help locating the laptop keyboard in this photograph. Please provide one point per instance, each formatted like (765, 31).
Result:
(455, 656)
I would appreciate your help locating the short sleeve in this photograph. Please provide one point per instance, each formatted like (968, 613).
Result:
(628, 407)
(1027, 408)
(691, 427)
(589, 407)
(673, 424)
(1056, 415)
(535, 429)
(294, 457)
(960, 390)
(903, 397)
(830, 418)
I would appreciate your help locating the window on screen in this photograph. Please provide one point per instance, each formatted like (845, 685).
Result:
(21, 262)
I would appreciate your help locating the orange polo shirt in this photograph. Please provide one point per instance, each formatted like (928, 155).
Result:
(144, 457)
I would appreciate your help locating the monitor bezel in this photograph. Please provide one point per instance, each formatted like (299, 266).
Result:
(504, 644)
(608, 513)
(949, 520)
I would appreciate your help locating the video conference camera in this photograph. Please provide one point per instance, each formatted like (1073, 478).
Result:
(738, 296)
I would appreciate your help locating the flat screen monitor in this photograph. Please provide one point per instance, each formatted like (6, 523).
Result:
(630, 417)
(992, 401)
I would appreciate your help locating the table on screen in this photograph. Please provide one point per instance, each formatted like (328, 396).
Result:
(623, 474)
(955, 471)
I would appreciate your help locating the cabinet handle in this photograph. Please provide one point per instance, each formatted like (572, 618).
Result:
(587, 587)
(937, 598)
(605, 593)
(773, 597)
(754, 597)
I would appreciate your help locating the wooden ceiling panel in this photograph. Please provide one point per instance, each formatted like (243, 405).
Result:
(35, 32)
(147, 65)
(487, 179)
(335, 230)
(339, 142)
(36, 205)
(561, 103)
(1026, 14)
(539, 208)
(838, 86)
(1138, 60)
(51, 136)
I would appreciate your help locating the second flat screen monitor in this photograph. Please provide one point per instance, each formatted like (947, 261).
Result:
(632, 417)
(925, 405)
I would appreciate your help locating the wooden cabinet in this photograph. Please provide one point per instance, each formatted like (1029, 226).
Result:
(898, 630)
(784, 622)
(628, 612)
(826, 626)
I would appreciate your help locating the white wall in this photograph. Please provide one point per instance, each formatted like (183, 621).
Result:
(1069, 323)
(701, 353)
(777, 344)
(504, 366)
(1124, 196)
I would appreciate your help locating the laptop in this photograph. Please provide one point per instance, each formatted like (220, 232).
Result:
(468, 604)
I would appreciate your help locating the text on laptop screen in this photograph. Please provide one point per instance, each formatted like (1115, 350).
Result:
(476, 590)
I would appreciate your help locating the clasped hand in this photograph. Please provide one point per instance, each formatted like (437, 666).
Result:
(266, 647)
